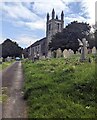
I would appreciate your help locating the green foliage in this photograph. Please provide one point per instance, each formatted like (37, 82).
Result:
(4, 96)
(60, 88)
(68, 38)
(5, 65)
(10, 48)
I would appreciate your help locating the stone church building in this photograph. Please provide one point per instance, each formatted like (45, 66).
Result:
(54, 25)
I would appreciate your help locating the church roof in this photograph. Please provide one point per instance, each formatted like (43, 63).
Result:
(37, 42)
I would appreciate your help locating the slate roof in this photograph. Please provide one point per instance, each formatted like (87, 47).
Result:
(38, 42)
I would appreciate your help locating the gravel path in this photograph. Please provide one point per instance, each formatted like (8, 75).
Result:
(15, 106)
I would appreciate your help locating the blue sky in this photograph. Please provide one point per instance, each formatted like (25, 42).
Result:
(25, 21)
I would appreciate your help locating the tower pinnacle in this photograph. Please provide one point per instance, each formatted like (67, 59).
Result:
(57, 17)
(47, 16)
(62, 16)
(53, 13)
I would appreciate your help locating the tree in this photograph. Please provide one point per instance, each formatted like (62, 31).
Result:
(68, 38)
(10, 48)
(95, 38)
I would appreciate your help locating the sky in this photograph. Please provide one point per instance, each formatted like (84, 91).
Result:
(24, 21)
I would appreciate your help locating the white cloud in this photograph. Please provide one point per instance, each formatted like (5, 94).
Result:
(36, 25)
(25, 41)
(39, 25)
(17, 13)
(43, 7)
(90, 8)
(22, 40)
(20, 14)
(76, 18)
(1, 40)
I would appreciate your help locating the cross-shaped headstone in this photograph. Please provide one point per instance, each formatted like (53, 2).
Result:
(84, 45)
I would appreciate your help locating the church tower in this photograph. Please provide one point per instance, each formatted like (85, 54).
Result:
(53, 26)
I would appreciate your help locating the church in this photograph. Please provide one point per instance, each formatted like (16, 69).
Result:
(41, 47)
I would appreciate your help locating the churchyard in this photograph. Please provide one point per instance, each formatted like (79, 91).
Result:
(61, 87)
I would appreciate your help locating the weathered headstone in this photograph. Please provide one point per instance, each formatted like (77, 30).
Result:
(54, 54)
(94, 51)
(49, 54)
(8, 59)
(1, 60)
(65, 53)
(59, 53)
(70, 52)
(42, 57)
(77, 52)
(83, 45)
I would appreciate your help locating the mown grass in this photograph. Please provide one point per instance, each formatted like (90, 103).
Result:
(59, 88)
(3, 95)
(0, 98)
(5, 65)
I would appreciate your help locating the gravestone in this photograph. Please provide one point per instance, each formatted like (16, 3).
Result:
(49, 54)
(1, 60)
(65, 53)
(77, 52)
(59, 53)
(70, 52)
(8, 59)
(94, 51)
(83, 45)
(54, 54)
(42, 57)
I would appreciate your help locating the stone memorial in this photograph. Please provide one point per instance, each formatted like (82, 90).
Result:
(71, 52)
(59, 53)
(1, 60)
(43, 57)
(8, 59)
(83, 45)
(94, 50)
(65, 53)
(49, 54)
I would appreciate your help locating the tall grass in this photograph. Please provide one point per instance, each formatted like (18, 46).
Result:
(60, 88)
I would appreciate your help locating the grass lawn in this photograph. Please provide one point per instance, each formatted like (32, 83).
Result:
(60, 88)
(5, 65)
(4, 96)
(0, 99)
